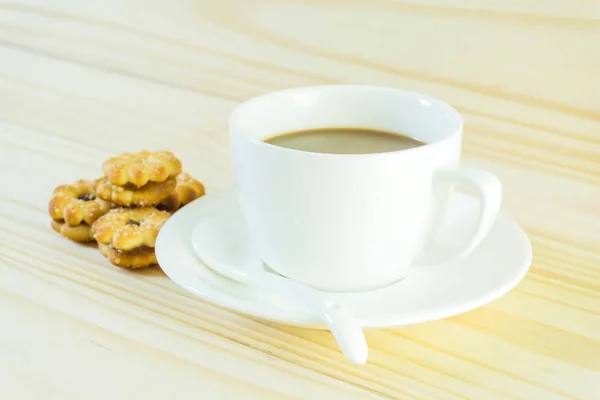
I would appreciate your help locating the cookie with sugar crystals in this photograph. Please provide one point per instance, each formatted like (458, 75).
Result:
(77, 203)
(79, 233)
(129, 195)
(139, 258)
(142, 167)
(127, 229)
(187, 190)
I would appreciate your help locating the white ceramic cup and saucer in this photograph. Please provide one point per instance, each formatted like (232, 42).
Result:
(382, 231)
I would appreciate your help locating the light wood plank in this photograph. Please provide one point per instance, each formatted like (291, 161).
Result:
(80, 81)
(121, 368)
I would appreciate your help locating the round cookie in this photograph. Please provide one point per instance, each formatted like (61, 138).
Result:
(138, 258)
(127, 229)
(187, 190)
(79, 233)
(142, 167)
(150, 194)
(77, 203)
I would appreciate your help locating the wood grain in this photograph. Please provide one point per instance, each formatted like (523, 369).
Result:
(80, 81)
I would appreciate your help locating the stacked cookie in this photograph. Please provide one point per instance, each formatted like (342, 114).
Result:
(125, 209)
(139, 179)
(74, 208)
(126, 236)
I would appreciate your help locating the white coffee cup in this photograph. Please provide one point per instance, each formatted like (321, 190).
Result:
(350, 222)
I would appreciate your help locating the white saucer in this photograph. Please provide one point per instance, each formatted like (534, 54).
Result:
(428, 293)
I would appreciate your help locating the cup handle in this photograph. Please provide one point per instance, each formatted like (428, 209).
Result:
(487, 189)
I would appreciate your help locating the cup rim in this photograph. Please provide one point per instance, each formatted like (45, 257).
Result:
(234, 115)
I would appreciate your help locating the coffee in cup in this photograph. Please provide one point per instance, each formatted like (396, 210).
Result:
(344, 141)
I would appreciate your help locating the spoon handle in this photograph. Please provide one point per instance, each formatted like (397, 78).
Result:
(348, 334)
(342, 324)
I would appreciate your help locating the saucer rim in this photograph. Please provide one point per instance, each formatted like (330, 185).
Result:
(304, 319)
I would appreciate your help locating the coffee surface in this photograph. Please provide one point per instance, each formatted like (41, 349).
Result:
(344, 141)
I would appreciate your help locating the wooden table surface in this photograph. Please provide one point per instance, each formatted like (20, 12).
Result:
(83, 80)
